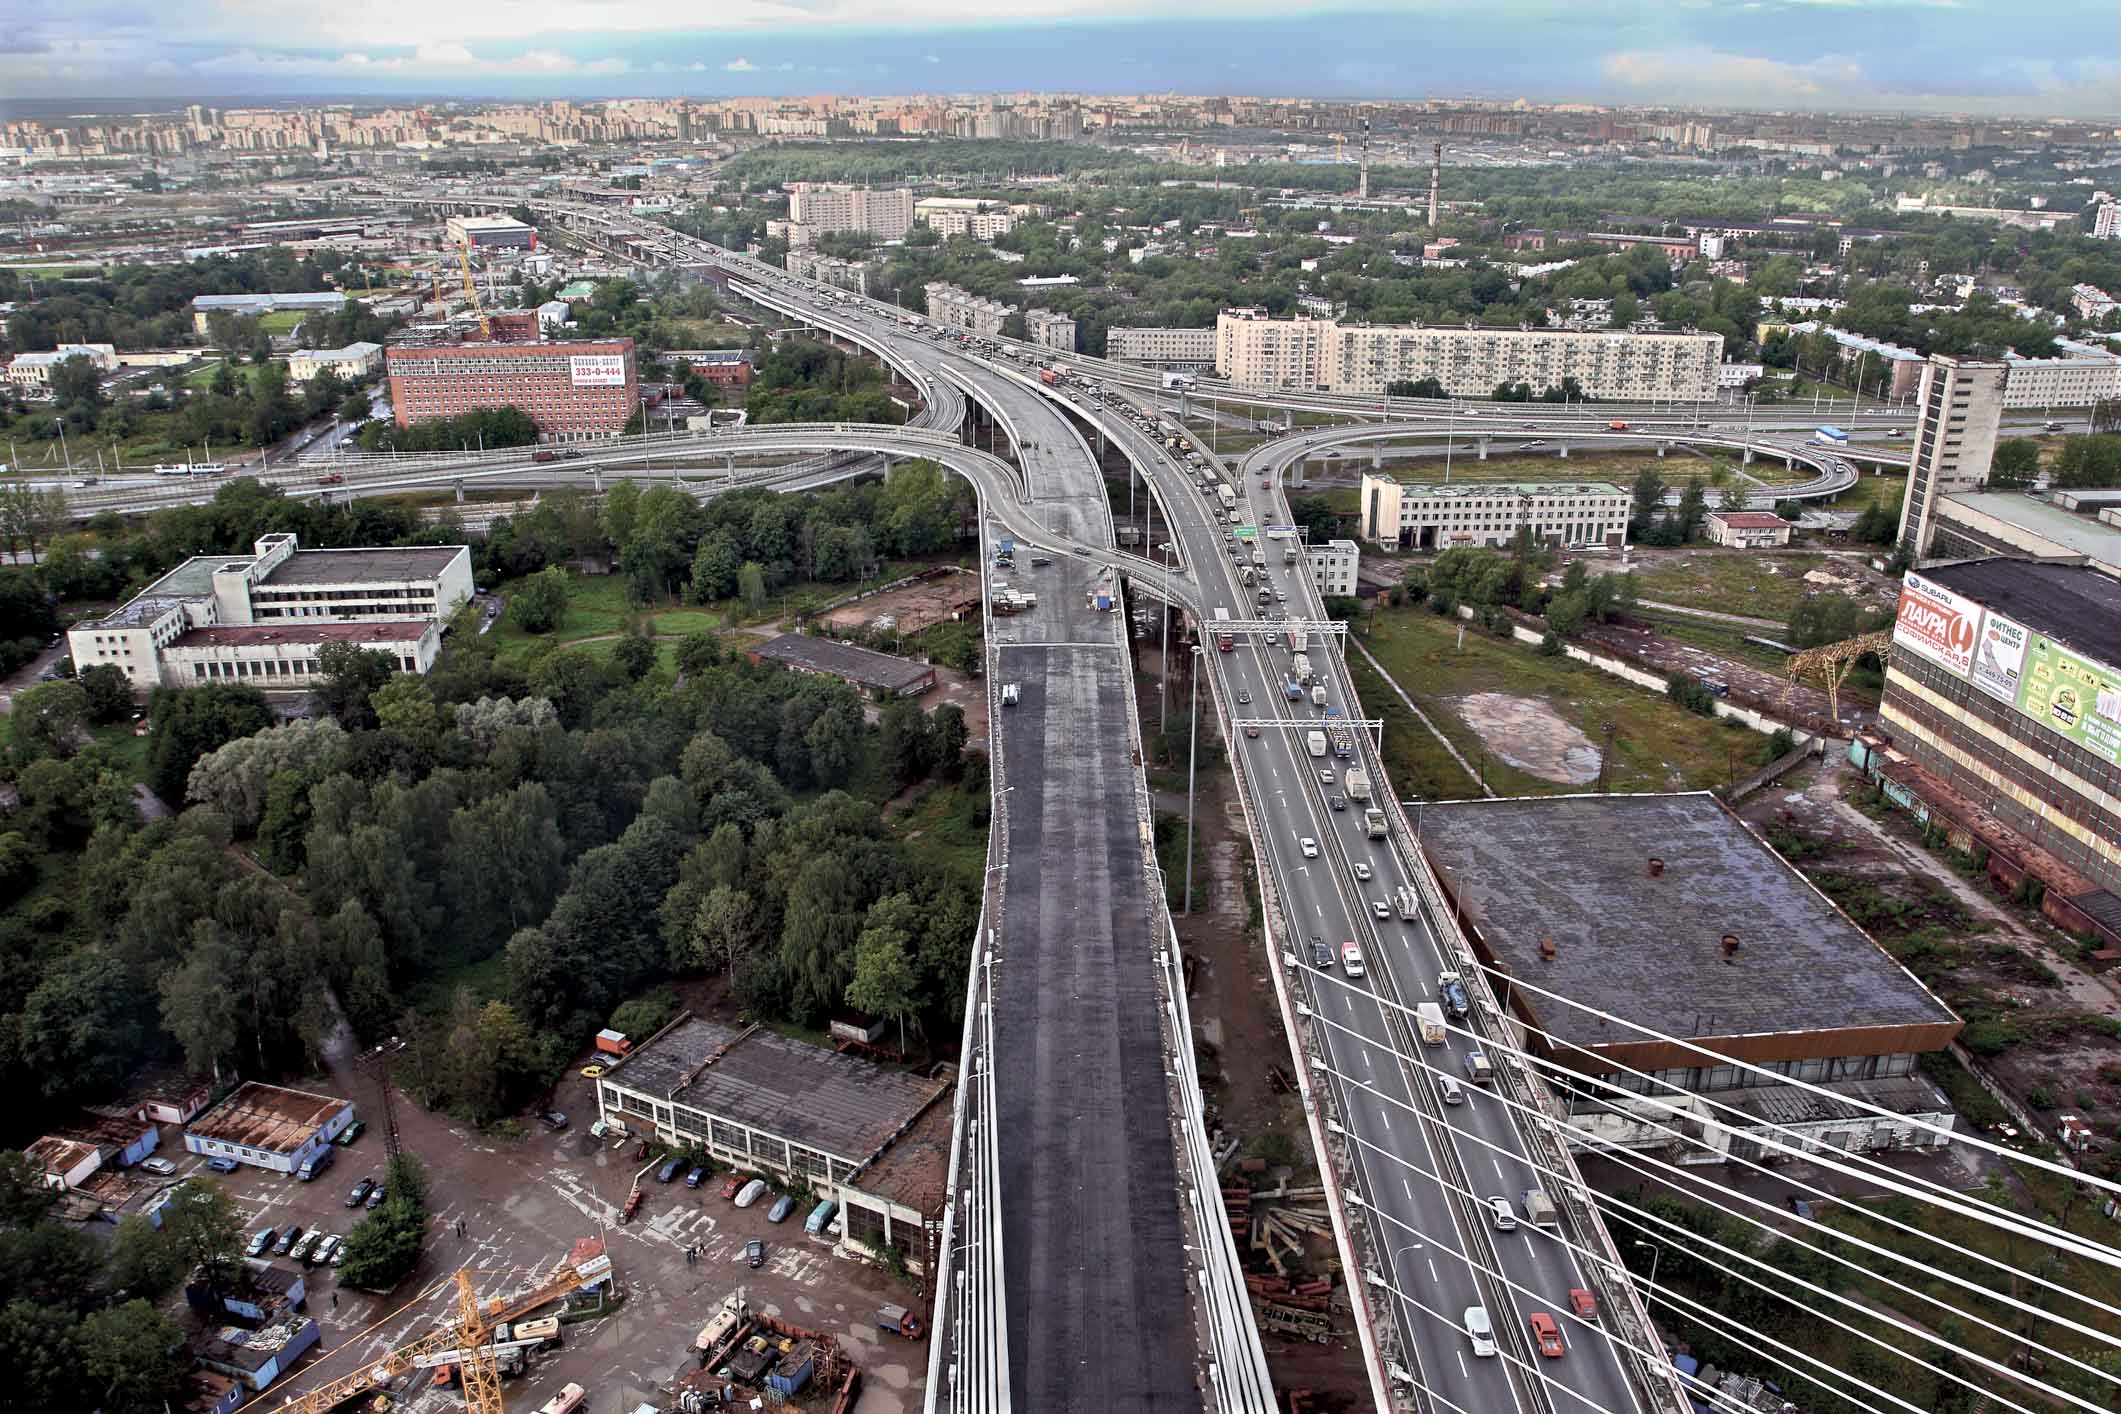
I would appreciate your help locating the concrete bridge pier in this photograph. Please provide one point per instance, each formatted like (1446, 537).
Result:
(729, 465)
(596, 478)
(458, 485)
(1482, 444)
(1663, 447)
(1564, 449)
(1748, 455)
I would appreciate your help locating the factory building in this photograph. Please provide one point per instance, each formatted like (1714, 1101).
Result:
(575, 390)
(1325, 354)
(492, 233)
(1667, 915)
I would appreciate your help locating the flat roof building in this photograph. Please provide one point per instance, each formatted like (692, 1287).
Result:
(821, 208)
(1747, 530)
(1333, 566)
(34, 370)
(830, 1122)
(1958, 410)
(874, 674)
(269, 1126)
(356, 360)
(250, 306)
(2004, 685)
(263, 617)
(1977, 524)
(2078, 376)
(961, 309)
(1050, 329)
(1193, 348)
(492, 233)
(1666, 913)
(1305, 353)
(1399, 515)
(574, 390)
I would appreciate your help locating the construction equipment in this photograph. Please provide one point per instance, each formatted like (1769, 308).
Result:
(471, 290)
(1833, 663)
(481, 1376)
(450, 1335)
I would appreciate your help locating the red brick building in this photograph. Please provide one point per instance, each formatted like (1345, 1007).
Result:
(574, 390)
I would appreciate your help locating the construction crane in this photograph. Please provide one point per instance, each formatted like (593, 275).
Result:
(471, 290)
(481, 1378)
(467, 1332)
(1833, 663)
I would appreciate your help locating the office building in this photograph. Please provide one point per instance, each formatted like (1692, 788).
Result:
(1958, 409)
(1746, 530)
(575, 390)
(961, 309)
(33, 371)
(353, 361)
(1333, 566)
(263, 618)
(2002, 691)
(873, 1138)
(1325, 354)
(1050, 329)
(1397, 515)
(204, 307)
(269, 1126)
(492, 233)
(1158, 348)
(1665, 913)
(822, 208)
(2090, 301)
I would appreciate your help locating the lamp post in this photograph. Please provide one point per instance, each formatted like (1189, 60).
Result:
(1656, 1254)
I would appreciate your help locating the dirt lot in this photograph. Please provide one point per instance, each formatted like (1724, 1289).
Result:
(910, 609)
(1531, 736)
(523, 1203)
(2038, 1019)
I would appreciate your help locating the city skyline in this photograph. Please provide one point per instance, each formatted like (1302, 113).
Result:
(1975, 56)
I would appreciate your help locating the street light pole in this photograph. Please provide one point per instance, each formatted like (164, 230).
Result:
(1192, 757)
(1656, 1254)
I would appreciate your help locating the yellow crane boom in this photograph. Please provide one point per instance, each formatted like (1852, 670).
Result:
(471, 290)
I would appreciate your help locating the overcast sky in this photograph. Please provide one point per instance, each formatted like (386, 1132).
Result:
(2018, 56)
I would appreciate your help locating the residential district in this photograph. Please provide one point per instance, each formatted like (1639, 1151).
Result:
(1208, 754)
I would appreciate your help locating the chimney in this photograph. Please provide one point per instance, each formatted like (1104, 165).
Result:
(1730, 947)
(1546, 949)
(1656, 866)
(1435, 181)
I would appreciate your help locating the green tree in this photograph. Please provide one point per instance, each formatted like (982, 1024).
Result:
(49, 719)
(76, 383)
(539, 603)
(110, 693)
(2016, 463)
(348, 677)
(886, 983)
(384, 1247)
(206, 1230)
(133, 1358)
(751, 585)
(189, 722)
(1648, 496)
(723, 932)
(145, 1259)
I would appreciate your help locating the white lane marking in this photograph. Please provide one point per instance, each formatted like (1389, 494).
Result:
(1435, 1279)
(1386, 1116)
(1406, 1188)
(1462, 1365)
(1499, 1173)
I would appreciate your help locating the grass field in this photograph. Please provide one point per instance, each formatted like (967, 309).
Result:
(1729, 581)
(281, 321)
(1657, 745)
(596, 605)
(1886, 491)
(130, 750)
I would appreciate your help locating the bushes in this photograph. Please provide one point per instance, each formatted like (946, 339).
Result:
(384, 1247)
(1689, 693)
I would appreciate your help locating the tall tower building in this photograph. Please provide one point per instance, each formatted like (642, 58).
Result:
(1960, 406)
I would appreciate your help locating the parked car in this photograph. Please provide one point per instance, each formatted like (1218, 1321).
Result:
(819, 1217)
(375, 1196)
(553, 1120)
(1546, 1334)
(352, 1132)
(359, 1193)
(697, 1177)
(221, 1165)
(261, 1241)
(669, 1170)
(734, 1186)
(751, 1192)
(301, 1250)
(754, 1254)
(1479, 1331)
(327, 1251)
(288, 1239)
(161, 1168)
(780, 1211)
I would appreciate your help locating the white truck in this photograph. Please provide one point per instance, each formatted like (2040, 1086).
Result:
(1298, 640)
(1356, 782)
(1406, 901)
(1318, 695)
(1300, 666)
(1228, 497)
(1428, 1019)
(1373, 823)
(1539, 1210)
(1315, 742)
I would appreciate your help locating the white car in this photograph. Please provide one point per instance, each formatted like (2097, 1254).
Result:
(751, 1193)
(1379, 907)
(1362, 871)
(1309, 846)
(161, 1168)
(1479, 1331)
(1351, 959)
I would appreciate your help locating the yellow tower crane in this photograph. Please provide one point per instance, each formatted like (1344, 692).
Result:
(1833, 663)
(471, 290)
(482, 1381)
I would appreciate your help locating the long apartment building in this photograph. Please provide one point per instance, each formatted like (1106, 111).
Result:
(264, 618)
(961, 309)
(822, 208)
(1158, 347)
(1050, 329)
(575, 390)
(1306, 353)
(807, 264)
(2002, 685)
(1960, 406)
(1400, 516)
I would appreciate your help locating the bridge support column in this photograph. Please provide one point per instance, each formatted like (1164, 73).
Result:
(1564, 450)
(459, 485)
(1748, 455)
(1482, 444)
(1661, 447)
(729, 465)
(1789, 463)
(1377, 458)
(596, 478)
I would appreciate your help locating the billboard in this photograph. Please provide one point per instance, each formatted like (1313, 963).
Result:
(597, 370)
(1999, 657)
(1936, 623)
(2076, 696)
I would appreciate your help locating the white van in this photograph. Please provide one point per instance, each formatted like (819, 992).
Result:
(1479, 1331)
(1452, 1092)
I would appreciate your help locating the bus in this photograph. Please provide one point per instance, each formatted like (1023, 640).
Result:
(190, 469)
(1831, 436)
(1225, 640)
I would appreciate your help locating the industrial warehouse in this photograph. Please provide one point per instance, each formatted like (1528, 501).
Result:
(1667, 914)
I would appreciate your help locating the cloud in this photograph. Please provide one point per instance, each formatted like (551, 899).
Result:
(1701, 72)
(740, 66)
(931, 59)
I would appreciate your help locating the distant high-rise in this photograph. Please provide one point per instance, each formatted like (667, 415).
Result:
(1435, 184)
(2106, 224)
(1960, 406)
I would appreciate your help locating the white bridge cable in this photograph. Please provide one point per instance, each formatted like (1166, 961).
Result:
(1513, 980)
(2034, 1310)
(1630, 1212)
(1669, 1295)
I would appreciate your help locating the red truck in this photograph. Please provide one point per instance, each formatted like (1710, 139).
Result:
(331, 478)
(547, 456)
(1050, 377)
(1616, 425)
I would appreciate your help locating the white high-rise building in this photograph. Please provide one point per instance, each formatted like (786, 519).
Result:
(1961, 402)
(824, 207)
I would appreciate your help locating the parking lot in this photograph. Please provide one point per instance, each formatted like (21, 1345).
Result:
(521, 1204)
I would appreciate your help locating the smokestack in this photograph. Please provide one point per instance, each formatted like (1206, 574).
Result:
(1656, 866)
(1435, 182)
(1362, 185)
(1730, 946)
